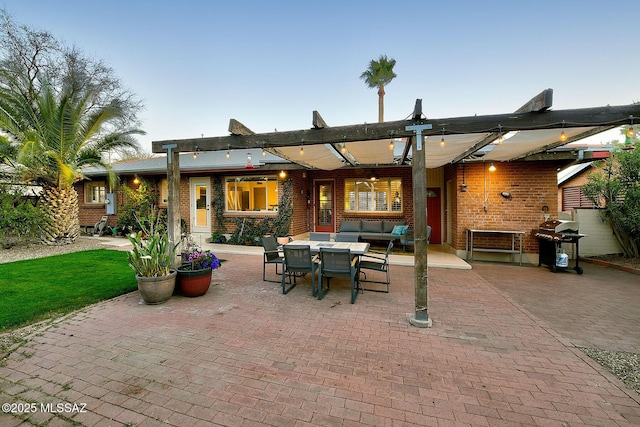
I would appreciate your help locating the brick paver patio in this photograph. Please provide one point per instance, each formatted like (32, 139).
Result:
(500, 353)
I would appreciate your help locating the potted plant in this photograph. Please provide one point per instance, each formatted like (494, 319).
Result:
(151, 258)
(194, 275)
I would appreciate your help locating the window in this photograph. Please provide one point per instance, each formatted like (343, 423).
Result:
(381, 195)
(94, 192)
(251, 193)
(573, 197)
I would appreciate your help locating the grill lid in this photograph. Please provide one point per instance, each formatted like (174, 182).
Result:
(559, 226)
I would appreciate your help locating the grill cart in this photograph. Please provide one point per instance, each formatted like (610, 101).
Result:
(551, 235)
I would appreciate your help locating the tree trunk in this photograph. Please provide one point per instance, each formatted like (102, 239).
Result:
(60, 205)
(381, 103)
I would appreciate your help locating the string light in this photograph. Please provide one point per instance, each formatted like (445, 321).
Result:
(563, 135)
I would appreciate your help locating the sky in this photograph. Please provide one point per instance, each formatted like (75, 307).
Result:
(270, 64)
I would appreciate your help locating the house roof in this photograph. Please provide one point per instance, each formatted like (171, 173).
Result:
(206, 160)
(572, 171)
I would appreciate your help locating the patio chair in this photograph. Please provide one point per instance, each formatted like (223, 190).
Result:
(338, 263)
(320, 237)
(408, 238)
(376, 261)
(298, 261)
(272, 256)
(346, 237)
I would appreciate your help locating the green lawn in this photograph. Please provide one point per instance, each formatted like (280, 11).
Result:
(33, 290)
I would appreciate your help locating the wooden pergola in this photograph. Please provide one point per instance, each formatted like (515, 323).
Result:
(533, 115)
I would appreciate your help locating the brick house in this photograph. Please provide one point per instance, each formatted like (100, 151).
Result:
(460, 196)
(489, 173)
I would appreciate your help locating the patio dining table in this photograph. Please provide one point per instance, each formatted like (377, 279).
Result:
(356, 248)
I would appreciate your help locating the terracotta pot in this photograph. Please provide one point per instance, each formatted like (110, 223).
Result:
(194, 283)
(156, 290)
(283, 240)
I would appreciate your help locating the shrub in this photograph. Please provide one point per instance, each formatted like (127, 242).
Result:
(20, 218)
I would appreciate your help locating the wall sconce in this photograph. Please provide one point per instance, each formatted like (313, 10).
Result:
(373, 176)
(463, 188)
(492, 168)
(283, 174)
(506, 195)
(136, 181)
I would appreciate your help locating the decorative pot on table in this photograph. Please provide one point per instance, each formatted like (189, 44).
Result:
(193, 283)
(156, 290)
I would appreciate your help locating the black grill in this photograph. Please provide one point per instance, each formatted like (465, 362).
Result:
(551, 235)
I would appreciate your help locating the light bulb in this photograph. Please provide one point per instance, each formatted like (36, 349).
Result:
(492, 168)
(563, 136)
(442, 142)
(228, 154)
(391, 145)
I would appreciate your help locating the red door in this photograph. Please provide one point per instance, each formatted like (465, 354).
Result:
(325, 205)
(434, 215)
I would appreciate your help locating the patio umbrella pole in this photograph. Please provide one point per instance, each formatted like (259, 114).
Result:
(421, 282)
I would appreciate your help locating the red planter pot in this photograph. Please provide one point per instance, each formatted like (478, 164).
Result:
(193, 283)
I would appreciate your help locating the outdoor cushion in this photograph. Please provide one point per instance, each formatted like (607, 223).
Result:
(397, 230)
(350, 226)
(388, 225)
(372, 226)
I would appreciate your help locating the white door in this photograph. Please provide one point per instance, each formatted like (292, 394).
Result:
(200, 200)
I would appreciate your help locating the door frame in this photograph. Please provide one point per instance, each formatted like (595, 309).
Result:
(193, 183)
(316, 206)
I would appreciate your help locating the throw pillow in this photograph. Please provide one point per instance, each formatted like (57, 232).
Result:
(397, 230)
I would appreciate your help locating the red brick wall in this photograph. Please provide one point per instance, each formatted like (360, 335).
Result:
(339, 176)
(532, 185)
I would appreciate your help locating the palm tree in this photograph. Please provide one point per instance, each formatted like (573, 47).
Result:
(55, 134)
(379, 74)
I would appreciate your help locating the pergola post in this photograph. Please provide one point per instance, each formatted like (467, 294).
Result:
(173, 204)
(421, 282)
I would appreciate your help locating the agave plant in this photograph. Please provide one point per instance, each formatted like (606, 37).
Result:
(152, 254)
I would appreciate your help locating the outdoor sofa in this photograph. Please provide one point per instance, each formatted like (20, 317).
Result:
(367, 230)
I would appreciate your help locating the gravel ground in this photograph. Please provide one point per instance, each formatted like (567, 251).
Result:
(625, 366)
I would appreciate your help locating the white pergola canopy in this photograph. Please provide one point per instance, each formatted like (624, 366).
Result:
(439, 149)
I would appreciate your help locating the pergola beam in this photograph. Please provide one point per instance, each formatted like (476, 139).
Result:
(583, 117)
